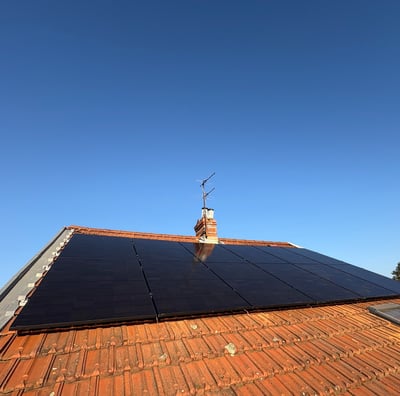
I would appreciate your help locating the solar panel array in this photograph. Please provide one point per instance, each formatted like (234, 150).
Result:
(103, 279)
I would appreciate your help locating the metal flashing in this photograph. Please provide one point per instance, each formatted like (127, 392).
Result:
(14, 294)
(389, 311)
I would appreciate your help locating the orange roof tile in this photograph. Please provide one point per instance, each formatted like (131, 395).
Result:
(321, 350)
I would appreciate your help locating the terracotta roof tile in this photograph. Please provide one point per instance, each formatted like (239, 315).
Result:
(319, 382)
(267, 366)
(374, 389)
(177, 351)
(275, 386)
(7, 369)
(198, 376)
(172, 380)
(391, 383)
(111, 385)
(77, 388)
(276, 352)
(144, 382)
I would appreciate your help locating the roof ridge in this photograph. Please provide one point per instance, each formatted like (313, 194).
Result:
(172, 237)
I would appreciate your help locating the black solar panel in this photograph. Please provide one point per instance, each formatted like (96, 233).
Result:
(358, 286)
(318, 257)
(95, 280)
(319, 289)
(98, 247)
(217, 254)
(101, 279)
(287, 255)
(358, 273)
(253, 254)
(151, 250)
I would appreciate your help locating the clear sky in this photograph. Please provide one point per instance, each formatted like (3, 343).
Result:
(112, 111)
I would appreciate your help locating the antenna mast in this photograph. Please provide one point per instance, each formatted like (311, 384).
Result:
(205, 195)
(203, 189)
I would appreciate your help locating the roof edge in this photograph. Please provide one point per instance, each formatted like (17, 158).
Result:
(19, 275)
(172, 237)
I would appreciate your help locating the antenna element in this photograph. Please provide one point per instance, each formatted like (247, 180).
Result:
(205, 195)
(203, 189)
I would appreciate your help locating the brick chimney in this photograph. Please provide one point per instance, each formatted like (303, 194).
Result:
(206, 227)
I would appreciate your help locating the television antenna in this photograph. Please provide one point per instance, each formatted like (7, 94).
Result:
(203, 189)
(205, 210)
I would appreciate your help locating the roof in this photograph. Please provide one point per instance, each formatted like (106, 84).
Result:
(330, 349)
(323, 350)
(170, 237)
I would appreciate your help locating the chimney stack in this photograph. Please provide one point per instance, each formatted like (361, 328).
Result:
(206, 227)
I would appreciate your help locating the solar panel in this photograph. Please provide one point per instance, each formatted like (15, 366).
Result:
(98, 246)
(150, 250)
(253, 254)
(191, 296)
(286, 254)
(319, 289)
(357, 285)
(216, 253)
(359, 273)
(101, 279)
(268, 292)
(387, 283)
(321, 258)
(95, 280)
(180, 283)
(238, 270)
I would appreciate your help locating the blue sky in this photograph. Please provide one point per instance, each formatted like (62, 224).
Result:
(111, 113)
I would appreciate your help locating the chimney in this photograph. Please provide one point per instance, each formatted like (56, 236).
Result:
(206, 227)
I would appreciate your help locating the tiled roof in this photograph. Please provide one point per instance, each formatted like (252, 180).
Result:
(340, 349)
(332, 349)
(169, 237)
